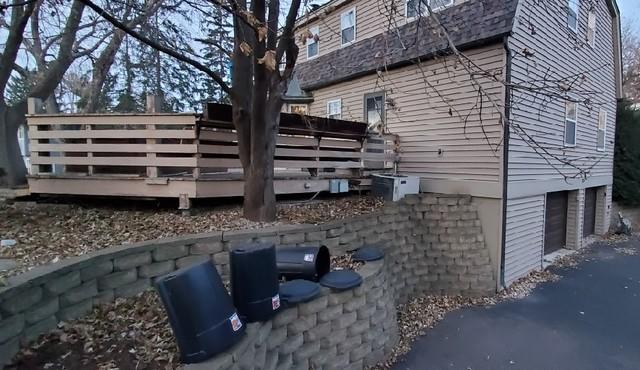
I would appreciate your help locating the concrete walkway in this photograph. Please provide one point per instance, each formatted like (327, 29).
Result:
(588, 320)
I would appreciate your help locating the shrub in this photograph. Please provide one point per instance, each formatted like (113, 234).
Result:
(626, 173)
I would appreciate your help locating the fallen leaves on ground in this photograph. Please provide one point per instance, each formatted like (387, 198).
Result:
(345, 262)
(132, 333)
(48, 233)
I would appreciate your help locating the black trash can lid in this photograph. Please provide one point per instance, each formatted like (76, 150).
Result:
(366, 254)
(341, 279)
(298, 291)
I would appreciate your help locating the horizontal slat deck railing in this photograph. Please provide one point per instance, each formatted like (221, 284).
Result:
(320, 155)
(182, 147)
(114, 144)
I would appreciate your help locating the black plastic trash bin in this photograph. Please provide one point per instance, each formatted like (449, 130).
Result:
(308, 263)
(254, 281)
(200, 312)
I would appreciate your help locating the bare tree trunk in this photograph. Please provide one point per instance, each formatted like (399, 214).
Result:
(101, 70)
(13, 170)
(259, 191)
(11, 161)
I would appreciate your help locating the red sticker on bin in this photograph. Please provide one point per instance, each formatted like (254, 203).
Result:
(275, 302)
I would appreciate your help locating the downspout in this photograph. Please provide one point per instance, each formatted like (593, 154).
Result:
(505, 157)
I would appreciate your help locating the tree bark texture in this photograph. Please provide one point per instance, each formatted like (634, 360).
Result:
(11, 162)
(257, 102)
(13, 169)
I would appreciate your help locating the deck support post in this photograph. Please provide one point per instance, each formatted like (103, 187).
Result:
(154, 105)
(89, 154)
(34, 106)
(184, 203)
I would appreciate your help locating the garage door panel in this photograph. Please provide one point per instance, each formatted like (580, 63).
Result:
(555, 224)
(589, 223)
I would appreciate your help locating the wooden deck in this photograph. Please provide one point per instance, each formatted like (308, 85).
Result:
(189, 156)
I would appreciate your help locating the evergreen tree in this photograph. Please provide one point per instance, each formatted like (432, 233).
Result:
(219, 37)
(126, 99)
(626, 171)
(18, 88)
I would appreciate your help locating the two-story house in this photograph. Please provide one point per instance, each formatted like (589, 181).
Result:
(519, 114)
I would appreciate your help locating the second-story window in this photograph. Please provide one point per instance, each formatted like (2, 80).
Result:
(591, 29)
(570, 123)
(439, 4)
(334, 109)
(313, 46)
(416, 8)
(573, 14)
(348, 26)
(602, 130)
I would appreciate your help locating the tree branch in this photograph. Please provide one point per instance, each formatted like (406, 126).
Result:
(118, 24)
(19, 18)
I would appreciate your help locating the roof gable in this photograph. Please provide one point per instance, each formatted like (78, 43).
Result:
(472, 23)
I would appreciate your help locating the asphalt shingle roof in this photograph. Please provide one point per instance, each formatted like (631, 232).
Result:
(472, 23)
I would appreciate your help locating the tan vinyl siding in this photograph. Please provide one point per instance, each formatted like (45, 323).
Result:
(524, 237)
(372, 18)
(419, 112)
(559, 53)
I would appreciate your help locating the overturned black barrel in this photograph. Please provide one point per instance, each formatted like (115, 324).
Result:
(308, 263)
(254, 281)
(200, 312)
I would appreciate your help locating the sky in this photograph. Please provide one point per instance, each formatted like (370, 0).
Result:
(629, 9)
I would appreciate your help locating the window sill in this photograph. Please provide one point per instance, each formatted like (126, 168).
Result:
(347, 44)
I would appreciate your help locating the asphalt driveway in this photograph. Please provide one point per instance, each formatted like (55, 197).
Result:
(590, 319)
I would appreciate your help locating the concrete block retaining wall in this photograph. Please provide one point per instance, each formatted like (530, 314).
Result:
(433, 245)
(338, 330)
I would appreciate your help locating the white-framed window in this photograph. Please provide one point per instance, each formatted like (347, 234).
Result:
(415, 8)
(313, 43)
(334, 109)
(573, 14)
(602, 130)
(298, 109)
(418, 8)
(374, 112)
(591, 29)
(348, 26)
(570, 123)
(439, 4)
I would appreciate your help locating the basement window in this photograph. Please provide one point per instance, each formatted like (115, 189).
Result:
(348, 26)
(570, 123)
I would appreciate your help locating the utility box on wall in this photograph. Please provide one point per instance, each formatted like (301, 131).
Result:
(394, 187)
(338, 186)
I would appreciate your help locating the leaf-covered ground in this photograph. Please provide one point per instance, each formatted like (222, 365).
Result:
(47, 233)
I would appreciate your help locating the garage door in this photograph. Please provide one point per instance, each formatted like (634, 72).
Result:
(589, 224)
(555, 222)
